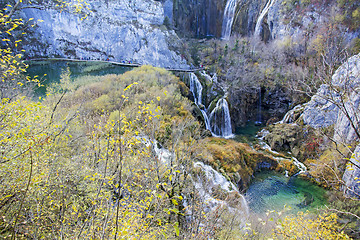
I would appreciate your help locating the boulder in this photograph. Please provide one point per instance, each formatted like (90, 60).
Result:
(284, 137)
(320, 111)
(347, 122)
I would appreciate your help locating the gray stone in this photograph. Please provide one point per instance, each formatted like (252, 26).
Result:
(347, 80)
(275, 20)
(168, 9)
(119, 30)
(351, 176)
(348, 121)
(347, 76)
(338, 104)
(320, 111)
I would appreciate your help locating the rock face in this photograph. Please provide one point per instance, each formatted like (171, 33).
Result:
(257, 105)
(352, 174)
(321, 111)
(200, 18)
(118, 30)
(246, 15)
(204, 18)
(338, 103)
(347, 78)
(282, 25)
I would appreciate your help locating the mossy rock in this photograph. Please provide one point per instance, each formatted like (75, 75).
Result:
(237, 161)
(283, 137)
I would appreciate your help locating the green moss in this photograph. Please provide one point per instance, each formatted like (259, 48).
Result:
(236, 160)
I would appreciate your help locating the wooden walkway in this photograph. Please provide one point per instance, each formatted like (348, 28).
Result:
(122, 64)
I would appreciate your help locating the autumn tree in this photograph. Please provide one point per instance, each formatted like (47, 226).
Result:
(303, 226)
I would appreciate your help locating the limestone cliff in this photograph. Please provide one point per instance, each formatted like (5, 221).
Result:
(200, 18)
(118, 30)
(352, 174)
(337, 103)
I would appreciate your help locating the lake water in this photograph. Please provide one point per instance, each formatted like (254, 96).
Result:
(272, 191)
(54, 68)
(248, 132)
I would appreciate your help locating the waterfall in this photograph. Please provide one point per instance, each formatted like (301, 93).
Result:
(262, 15)
(196, 88)
(219, 121)
(259, 117)
(299, 165)
(206, 185)
(163, 155)
(290, 115)
(228, 19)
(302, 168)
(213, 180)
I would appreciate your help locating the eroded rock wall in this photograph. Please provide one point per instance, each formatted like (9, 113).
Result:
(199, 18)
(118, 30)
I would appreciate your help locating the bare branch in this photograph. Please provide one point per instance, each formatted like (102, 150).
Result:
(343, 212)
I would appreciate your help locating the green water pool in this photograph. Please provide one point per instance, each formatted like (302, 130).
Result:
(272, 191)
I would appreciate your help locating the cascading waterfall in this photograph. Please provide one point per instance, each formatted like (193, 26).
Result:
(164, 155)
(196, 88)
(261, 17)
(302, 168)
(219, 121)
(214, 179)
(205, 186)
(289, 116)
(259, 114)
(228, 19)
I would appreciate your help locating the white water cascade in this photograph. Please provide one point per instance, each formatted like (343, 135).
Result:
(228, 19)
(196, 88)
(212, 180)
(206, 185)
(289, 116)
(261, 17)
(218, 122)
(302, 168)
(220, 119)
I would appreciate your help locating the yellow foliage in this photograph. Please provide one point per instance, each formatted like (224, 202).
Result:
(326, 168)
(303, 226)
